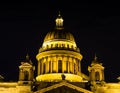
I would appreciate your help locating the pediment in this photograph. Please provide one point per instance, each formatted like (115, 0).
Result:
(98, 66)
(63, 87)
(25, 64)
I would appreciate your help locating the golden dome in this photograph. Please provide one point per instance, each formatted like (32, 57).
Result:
(59, 54)
(59, 34)
(59, 38)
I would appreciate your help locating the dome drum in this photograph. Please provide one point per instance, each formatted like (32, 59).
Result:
(56, 62)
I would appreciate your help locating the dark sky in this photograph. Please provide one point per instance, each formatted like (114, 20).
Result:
(23, 26)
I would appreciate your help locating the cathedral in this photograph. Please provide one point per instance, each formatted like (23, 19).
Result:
(59, 69)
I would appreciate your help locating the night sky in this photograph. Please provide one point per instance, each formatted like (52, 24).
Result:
(23, 26)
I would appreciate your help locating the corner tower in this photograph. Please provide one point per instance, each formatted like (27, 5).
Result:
(26, 76)
(26, 72)
(59, 55)
(96, 71)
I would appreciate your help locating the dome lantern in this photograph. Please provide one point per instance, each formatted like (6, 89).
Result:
(59, 21)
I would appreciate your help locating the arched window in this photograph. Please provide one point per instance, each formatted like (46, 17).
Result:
(74, 68)
(49, 66)
(47, 46)
(67, 46)
(60, 66)
(97, 76)
(26, 75)
(56, 45)
(44, 68)
(51, 45)
(63, 45)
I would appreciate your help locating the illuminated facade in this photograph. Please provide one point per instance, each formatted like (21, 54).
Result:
(59, 69)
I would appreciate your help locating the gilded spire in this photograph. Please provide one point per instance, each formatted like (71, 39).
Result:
(59, 21)
(28, 59)
(95, 58)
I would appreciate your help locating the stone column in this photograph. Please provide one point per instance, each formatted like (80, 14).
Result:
(21, 74)
(39, 67)
(51, 64)
(63, 64)
(48, 61)
(47, 65)
(77, 66)
(56, 63)
(92, 74)
(103, 78)
(74, 61)
(42, 65)
(79, 63)
(68, 64)
(73, 65)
